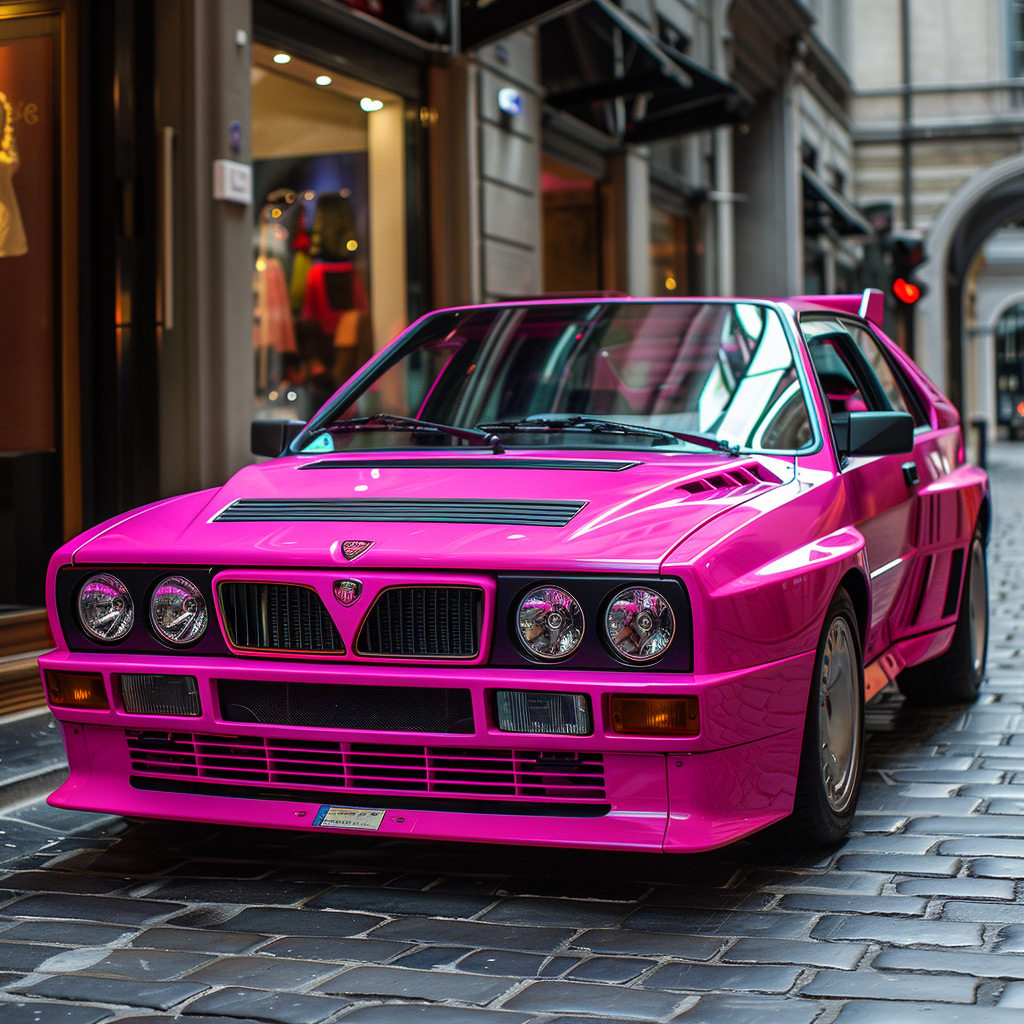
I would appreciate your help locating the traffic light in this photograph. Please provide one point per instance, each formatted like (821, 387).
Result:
(905, 256)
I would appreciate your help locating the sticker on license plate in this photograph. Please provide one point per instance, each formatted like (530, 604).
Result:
(368, 818)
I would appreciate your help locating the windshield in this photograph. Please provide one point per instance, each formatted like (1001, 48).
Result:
(578, 375)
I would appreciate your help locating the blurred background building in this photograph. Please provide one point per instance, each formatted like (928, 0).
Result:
(212, 210)
(938, 123)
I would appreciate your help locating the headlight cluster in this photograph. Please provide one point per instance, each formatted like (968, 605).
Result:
(639, 623)
(177, 610)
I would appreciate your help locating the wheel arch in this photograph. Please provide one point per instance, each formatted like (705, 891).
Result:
(856, 586)
(984, 520)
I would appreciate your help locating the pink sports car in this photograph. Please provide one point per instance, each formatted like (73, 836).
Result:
(588, 572)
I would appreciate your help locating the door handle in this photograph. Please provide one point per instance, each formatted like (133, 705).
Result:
(910, 474)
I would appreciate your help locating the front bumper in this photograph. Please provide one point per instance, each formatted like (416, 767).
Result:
(605, 790)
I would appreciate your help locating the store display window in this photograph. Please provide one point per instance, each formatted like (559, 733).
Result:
(572, 218)
(670, 253)
(329, 234)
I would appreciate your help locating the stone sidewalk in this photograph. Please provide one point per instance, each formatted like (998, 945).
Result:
(919, 916)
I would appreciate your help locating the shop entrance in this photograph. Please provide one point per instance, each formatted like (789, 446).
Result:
(329, 280)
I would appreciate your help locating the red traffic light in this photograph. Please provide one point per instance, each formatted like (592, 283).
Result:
(906, 291)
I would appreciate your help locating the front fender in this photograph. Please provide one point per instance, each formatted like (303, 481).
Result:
(772, 610)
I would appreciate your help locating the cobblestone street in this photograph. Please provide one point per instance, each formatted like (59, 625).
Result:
(919, 916)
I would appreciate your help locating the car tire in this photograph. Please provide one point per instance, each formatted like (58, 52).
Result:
(955, 677)
(832, 751)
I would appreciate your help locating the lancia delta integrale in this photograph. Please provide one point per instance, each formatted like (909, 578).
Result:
(586, 572)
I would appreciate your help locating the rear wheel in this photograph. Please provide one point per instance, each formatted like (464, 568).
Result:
(955, 677)
(832, 753)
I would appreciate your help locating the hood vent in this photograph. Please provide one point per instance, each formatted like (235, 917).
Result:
(750, 474)
(475, 462)
(400, 510)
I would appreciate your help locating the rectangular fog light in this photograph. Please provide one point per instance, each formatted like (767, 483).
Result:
(76, 690)
(654, 716)
(159, 695)
(566, 714)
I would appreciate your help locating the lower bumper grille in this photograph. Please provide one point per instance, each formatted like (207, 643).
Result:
(337, 768)
(341, 706)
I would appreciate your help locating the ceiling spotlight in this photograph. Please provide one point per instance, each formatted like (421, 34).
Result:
(369, 105)
(282, 58)
(323, 79)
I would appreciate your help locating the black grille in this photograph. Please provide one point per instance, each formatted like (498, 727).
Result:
(401, 510)
(277, 617)
(340, 706)
(423, 622)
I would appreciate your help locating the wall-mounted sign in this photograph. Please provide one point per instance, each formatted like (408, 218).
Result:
(510, 101)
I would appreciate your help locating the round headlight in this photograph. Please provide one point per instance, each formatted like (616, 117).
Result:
(639, 624)
(178, 611)
(105, 608)
(550, 622)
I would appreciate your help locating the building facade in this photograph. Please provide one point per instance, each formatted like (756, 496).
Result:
(938, 122)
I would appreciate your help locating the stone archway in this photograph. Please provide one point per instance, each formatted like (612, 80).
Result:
(984, 343)
(981, 205)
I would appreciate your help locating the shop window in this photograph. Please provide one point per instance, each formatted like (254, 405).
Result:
(329, 279)
(33, 268)
(572, 229)
(670, 253)
(1016, 38)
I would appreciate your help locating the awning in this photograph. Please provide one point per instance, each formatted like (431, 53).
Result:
(821, 200)
(599, 54)
(482, 21)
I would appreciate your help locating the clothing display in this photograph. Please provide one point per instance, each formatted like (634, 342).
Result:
(272, 325)
(334, 226)
(301, 262)
(311, 328)
(332, 288)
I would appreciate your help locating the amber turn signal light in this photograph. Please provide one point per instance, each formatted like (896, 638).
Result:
(76, 690)
(654, 716)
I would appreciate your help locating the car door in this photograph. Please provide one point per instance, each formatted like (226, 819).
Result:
(881, 491)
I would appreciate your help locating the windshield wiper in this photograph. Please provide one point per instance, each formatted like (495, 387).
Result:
(387, 421)
(599, 426)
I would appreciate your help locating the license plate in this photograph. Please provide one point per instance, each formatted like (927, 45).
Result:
(368, 818)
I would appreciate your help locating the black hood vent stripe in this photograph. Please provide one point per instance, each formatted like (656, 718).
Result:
(476, 462)
(400, 510)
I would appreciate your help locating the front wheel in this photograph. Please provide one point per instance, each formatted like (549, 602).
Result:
(832, 753)
(955, 677)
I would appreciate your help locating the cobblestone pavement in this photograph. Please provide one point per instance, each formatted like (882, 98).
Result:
(919, 916)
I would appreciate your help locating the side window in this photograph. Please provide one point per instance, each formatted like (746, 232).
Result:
(871, 349)
(845, 376)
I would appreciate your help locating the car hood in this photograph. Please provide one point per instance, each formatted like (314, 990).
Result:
(595, 512)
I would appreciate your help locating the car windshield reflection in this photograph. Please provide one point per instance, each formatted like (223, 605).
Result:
(668, 375)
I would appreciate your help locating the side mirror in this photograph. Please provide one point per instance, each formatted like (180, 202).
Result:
(873, 433)
(271, 437)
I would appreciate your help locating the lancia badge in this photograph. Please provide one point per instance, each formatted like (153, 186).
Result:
(352, 549)
(347, 591)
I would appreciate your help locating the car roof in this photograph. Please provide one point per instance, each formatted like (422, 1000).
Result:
(869, 304)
